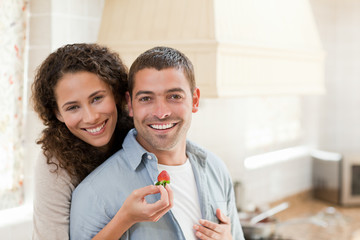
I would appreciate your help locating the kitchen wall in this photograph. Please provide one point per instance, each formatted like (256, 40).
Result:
(221, 126)
(339, 113)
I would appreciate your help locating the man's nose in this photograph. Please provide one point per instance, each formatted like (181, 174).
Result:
(162, 110)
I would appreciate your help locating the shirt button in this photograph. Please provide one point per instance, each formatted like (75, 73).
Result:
(149, 157)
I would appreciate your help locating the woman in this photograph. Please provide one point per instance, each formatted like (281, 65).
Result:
(79, 94)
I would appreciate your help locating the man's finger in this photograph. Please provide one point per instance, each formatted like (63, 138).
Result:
(144, 191)
(211, 225)
(161, 204)
(171, 194)
(222, 217)
(205, 232)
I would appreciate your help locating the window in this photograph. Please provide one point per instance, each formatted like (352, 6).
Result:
(13, 19)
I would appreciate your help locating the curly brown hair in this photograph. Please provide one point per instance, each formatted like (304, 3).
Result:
(77, 157)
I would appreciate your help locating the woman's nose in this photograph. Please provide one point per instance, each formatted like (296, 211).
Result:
(90, 115)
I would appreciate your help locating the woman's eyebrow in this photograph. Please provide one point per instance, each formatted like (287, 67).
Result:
(95, 93)
(68, 103)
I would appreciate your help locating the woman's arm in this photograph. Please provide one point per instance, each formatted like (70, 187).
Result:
(52, 197)
(136, 209)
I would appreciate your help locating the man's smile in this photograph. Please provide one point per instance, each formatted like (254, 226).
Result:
(162, 126)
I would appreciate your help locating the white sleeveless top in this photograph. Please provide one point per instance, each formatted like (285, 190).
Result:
(186, 207)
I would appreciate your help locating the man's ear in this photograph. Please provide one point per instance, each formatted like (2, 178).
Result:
(128, 100)
(196, 99)
(59, 116)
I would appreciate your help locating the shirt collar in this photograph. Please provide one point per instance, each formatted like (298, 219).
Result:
(195, 152)
(136, 153)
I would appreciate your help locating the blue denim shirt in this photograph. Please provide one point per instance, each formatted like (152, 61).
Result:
(99, 196)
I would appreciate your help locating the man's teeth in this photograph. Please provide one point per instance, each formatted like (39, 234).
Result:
(95, 130)
(163, 126)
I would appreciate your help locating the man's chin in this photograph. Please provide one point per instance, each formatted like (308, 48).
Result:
(163, 145)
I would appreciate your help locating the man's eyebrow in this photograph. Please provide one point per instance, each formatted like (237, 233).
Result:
(175, 90)
(144, 92)
(152, 93)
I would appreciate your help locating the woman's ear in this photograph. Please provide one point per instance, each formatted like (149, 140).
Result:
(59, 116)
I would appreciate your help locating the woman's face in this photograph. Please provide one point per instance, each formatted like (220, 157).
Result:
(87, 106)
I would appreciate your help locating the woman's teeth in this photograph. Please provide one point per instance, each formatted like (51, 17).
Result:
(95, 130)
(163, 126)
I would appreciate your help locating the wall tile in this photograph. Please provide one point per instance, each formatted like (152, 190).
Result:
(61, 6)
(36, 56)
(79, 7)
(40, 6)
(94, 9)
(40, 30)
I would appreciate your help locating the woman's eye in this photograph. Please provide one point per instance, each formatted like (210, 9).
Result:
(98, 98)
(72, 108)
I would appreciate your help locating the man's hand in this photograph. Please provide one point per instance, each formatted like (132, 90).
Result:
(137, 209)
(208, 230)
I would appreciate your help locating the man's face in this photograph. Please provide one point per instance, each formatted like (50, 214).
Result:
(161, 106)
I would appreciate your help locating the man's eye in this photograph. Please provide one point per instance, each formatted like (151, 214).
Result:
(175, 96)
(144, 99)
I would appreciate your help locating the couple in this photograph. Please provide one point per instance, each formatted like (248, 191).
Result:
(84, 97)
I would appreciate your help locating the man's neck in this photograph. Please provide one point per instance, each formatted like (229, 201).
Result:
(172, 157)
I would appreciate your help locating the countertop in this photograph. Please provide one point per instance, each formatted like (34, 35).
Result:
(305, 215)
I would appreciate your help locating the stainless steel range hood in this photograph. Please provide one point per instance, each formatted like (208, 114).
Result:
(238, 47)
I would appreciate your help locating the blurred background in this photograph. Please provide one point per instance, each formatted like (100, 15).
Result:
(278, 81)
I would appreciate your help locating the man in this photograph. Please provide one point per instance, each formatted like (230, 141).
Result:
(162, 97)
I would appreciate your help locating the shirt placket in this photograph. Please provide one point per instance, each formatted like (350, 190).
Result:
(150, 162)
(201, 184)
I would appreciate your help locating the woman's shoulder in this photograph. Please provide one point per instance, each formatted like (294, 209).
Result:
(52, 173)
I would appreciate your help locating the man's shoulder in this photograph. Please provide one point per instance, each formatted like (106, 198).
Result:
(107, 169)
(203, 155)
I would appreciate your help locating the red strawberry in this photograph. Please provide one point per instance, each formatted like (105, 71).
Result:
(163, 178)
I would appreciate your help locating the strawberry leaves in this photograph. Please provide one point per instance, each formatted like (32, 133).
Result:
(163, 178)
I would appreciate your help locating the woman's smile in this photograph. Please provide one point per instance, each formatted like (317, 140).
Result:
(96, 130)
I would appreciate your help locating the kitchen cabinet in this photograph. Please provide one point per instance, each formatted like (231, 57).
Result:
(238, 48)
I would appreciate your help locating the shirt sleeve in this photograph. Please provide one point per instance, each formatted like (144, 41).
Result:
(88, 214)
(52, 197)
(236, 229)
